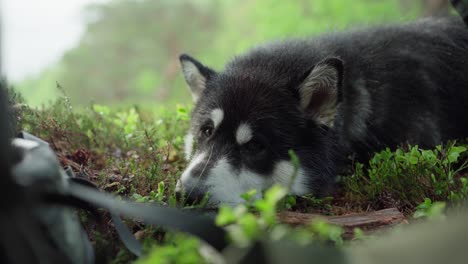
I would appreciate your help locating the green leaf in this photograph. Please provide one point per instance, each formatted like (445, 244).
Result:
(249, 195)
(413, 160)
(161, 188)
(225, 216)
(101, 109)
(454, 153)
(249, 226)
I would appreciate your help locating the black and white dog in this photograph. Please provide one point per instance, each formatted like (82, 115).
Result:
(325, 98)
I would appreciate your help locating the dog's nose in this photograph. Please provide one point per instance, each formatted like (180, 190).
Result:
(179, 196)
(179, 187)
(193, 197)
(188, 197)
(179, 192)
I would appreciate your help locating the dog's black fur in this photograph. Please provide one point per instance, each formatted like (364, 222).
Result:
(373, 88)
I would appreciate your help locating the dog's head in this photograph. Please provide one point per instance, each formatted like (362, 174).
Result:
(245, 121)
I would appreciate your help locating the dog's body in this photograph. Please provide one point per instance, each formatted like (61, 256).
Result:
(324, 98)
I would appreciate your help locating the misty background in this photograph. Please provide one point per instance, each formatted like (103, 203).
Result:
(126, 51)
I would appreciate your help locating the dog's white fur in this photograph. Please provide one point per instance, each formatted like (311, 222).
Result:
(188, 146)
(283, 174)
(194, 78)
(322, 79)
(225, 184)
(187, 180)
(243, 134)
(217, 115)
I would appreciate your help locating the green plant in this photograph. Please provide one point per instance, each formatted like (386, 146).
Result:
(430, 209)
(358, 234)
(244, 226)
(178, 249)
(323, 231)
(247, 226)
(408, 176)
(323, 203)
(153, 196)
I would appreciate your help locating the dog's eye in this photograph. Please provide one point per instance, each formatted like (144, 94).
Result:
(207, 131)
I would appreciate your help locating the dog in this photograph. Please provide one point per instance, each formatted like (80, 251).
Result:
(325, 98)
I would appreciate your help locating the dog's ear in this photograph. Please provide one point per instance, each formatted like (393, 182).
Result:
(319, 90)
(196, 75)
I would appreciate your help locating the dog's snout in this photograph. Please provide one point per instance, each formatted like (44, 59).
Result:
(179, 186)
(179, 196)
(194, 197)
(188, 194)
(189, 198)
(179, 191)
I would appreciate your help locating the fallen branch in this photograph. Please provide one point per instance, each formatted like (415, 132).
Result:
(368, 222)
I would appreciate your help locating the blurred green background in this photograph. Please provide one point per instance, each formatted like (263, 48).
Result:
(129, 51)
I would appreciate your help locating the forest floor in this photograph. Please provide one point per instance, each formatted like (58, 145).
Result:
(137, 152)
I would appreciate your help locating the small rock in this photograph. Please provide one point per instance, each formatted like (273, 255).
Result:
(111, 185)
(139, 234)
(117, 153)
(115, 178)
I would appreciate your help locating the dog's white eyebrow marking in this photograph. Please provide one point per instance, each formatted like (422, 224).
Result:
(217, 115)
(243, 134)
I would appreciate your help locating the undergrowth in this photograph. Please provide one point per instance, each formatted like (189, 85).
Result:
(137, 152)
(405, 177)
